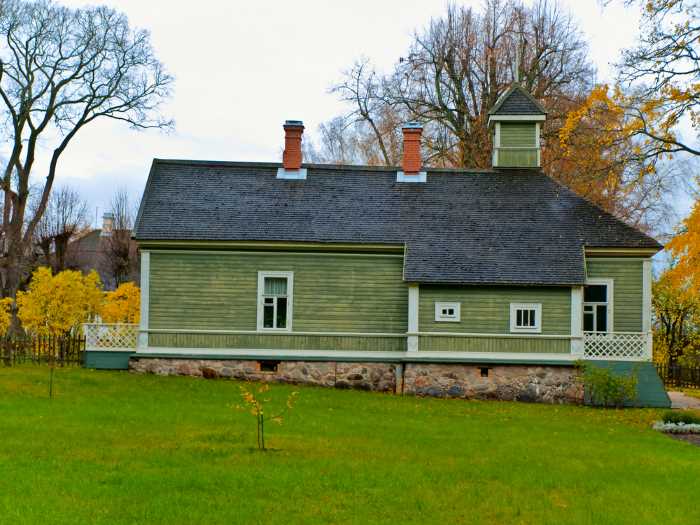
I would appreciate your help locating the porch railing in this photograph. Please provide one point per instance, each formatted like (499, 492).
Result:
(617, 346)
(99, 336)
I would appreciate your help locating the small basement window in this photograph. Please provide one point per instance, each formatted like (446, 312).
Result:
(275, 301)
(268, 366)
(447, 312)
(526, 317)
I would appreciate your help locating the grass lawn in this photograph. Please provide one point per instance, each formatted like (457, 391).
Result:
(116, 448)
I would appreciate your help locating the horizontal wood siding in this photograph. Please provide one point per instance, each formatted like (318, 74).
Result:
(627, 284)
(494, 344)
(517, 158)
(287, 342)
(332, 293)
(486, 309)
(518, 134)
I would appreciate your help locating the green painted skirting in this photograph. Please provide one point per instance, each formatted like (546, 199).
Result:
(650, 389)
(107, 360)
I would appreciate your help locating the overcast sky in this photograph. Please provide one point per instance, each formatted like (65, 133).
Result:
(243, 67)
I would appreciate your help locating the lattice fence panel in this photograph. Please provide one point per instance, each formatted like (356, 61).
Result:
(615, 346)
(110, 336)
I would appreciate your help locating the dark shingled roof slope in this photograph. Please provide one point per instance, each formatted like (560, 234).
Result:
(502, 227)
(517, 101)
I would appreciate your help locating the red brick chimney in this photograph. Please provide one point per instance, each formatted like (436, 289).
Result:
(412, 162)
(291, 158)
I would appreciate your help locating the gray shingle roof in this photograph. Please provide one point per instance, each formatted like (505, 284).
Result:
(502, 227)
(517, 101)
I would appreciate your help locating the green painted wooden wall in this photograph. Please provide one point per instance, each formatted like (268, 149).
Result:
(517, 135)
(494, 344)
(332, 293)
(627, 275)
(487, 310)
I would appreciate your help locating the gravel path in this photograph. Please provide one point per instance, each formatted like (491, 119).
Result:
(681, 400)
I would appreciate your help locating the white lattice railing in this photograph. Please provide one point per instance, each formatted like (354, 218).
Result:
(99, 336)
(617, 346)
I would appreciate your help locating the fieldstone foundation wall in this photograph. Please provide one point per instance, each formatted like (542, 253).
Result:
(546, 384)
(380, 377)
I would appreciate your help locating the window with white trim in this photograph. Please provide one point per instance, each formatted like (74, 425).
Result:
(447, 312)
(526, 317)
(597, 306)
(275, 301)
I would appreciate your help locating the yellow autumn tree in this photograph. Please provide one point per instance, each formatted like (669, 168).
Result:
(685, 247)
(55, 304)
(5, 315)
(122, 305)
(601, 156)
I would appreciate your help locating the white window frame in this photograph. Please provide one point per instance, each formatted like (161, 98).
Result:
(261, 296)
(537, 307)
(440, 318)
(610, 283)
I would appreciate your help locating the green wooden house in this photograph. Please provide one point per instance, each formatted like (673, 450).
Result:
(450, 282)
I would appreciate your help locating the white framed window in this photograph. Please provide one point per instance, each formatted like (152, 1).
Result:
(275, 296)
(447, 312)
(526, 317)
(598, 305)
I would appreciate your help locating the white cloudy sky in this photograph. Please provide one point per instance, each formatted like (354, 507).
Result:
(243, 67)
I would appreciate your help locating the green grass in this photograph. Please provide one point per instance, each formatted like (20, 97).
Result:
(118, 448)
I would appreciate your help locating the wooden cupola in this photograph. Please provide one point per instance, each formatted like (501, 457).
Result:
(516, 120)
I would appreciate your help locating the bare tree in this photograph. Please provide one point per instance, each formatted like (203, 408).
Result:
(456, 69)
(65, 217)
(664, 69)
(60, 70)
(119, 257)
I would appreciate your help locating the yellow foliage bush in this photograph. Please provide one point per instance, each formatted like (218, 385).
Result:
(55, 304)
(5, 315)
(122, 305)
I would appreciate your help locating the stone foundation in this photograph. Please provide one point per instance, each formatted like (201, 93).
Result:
(380, 377)
(545, 384)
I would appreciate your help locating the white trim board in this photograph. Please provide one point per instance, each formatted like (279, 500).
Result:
(646, 295)
(413, 304)
(244, 251)
(145, 298)
(330, 355)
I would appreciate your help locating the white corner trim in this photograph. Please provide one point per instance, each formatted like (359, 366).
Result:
(299, 174)
(537, 307)
(577, 320)
(446, 318)
(421, 176)
(517, 118)
(610, 283)
(496, 144)
(413, 301)
(290, 299)
(145, 296)
(646, 295)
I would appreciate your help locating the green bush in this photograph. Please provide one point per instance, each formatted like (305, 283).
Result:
(677, 416)
(607, 389)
